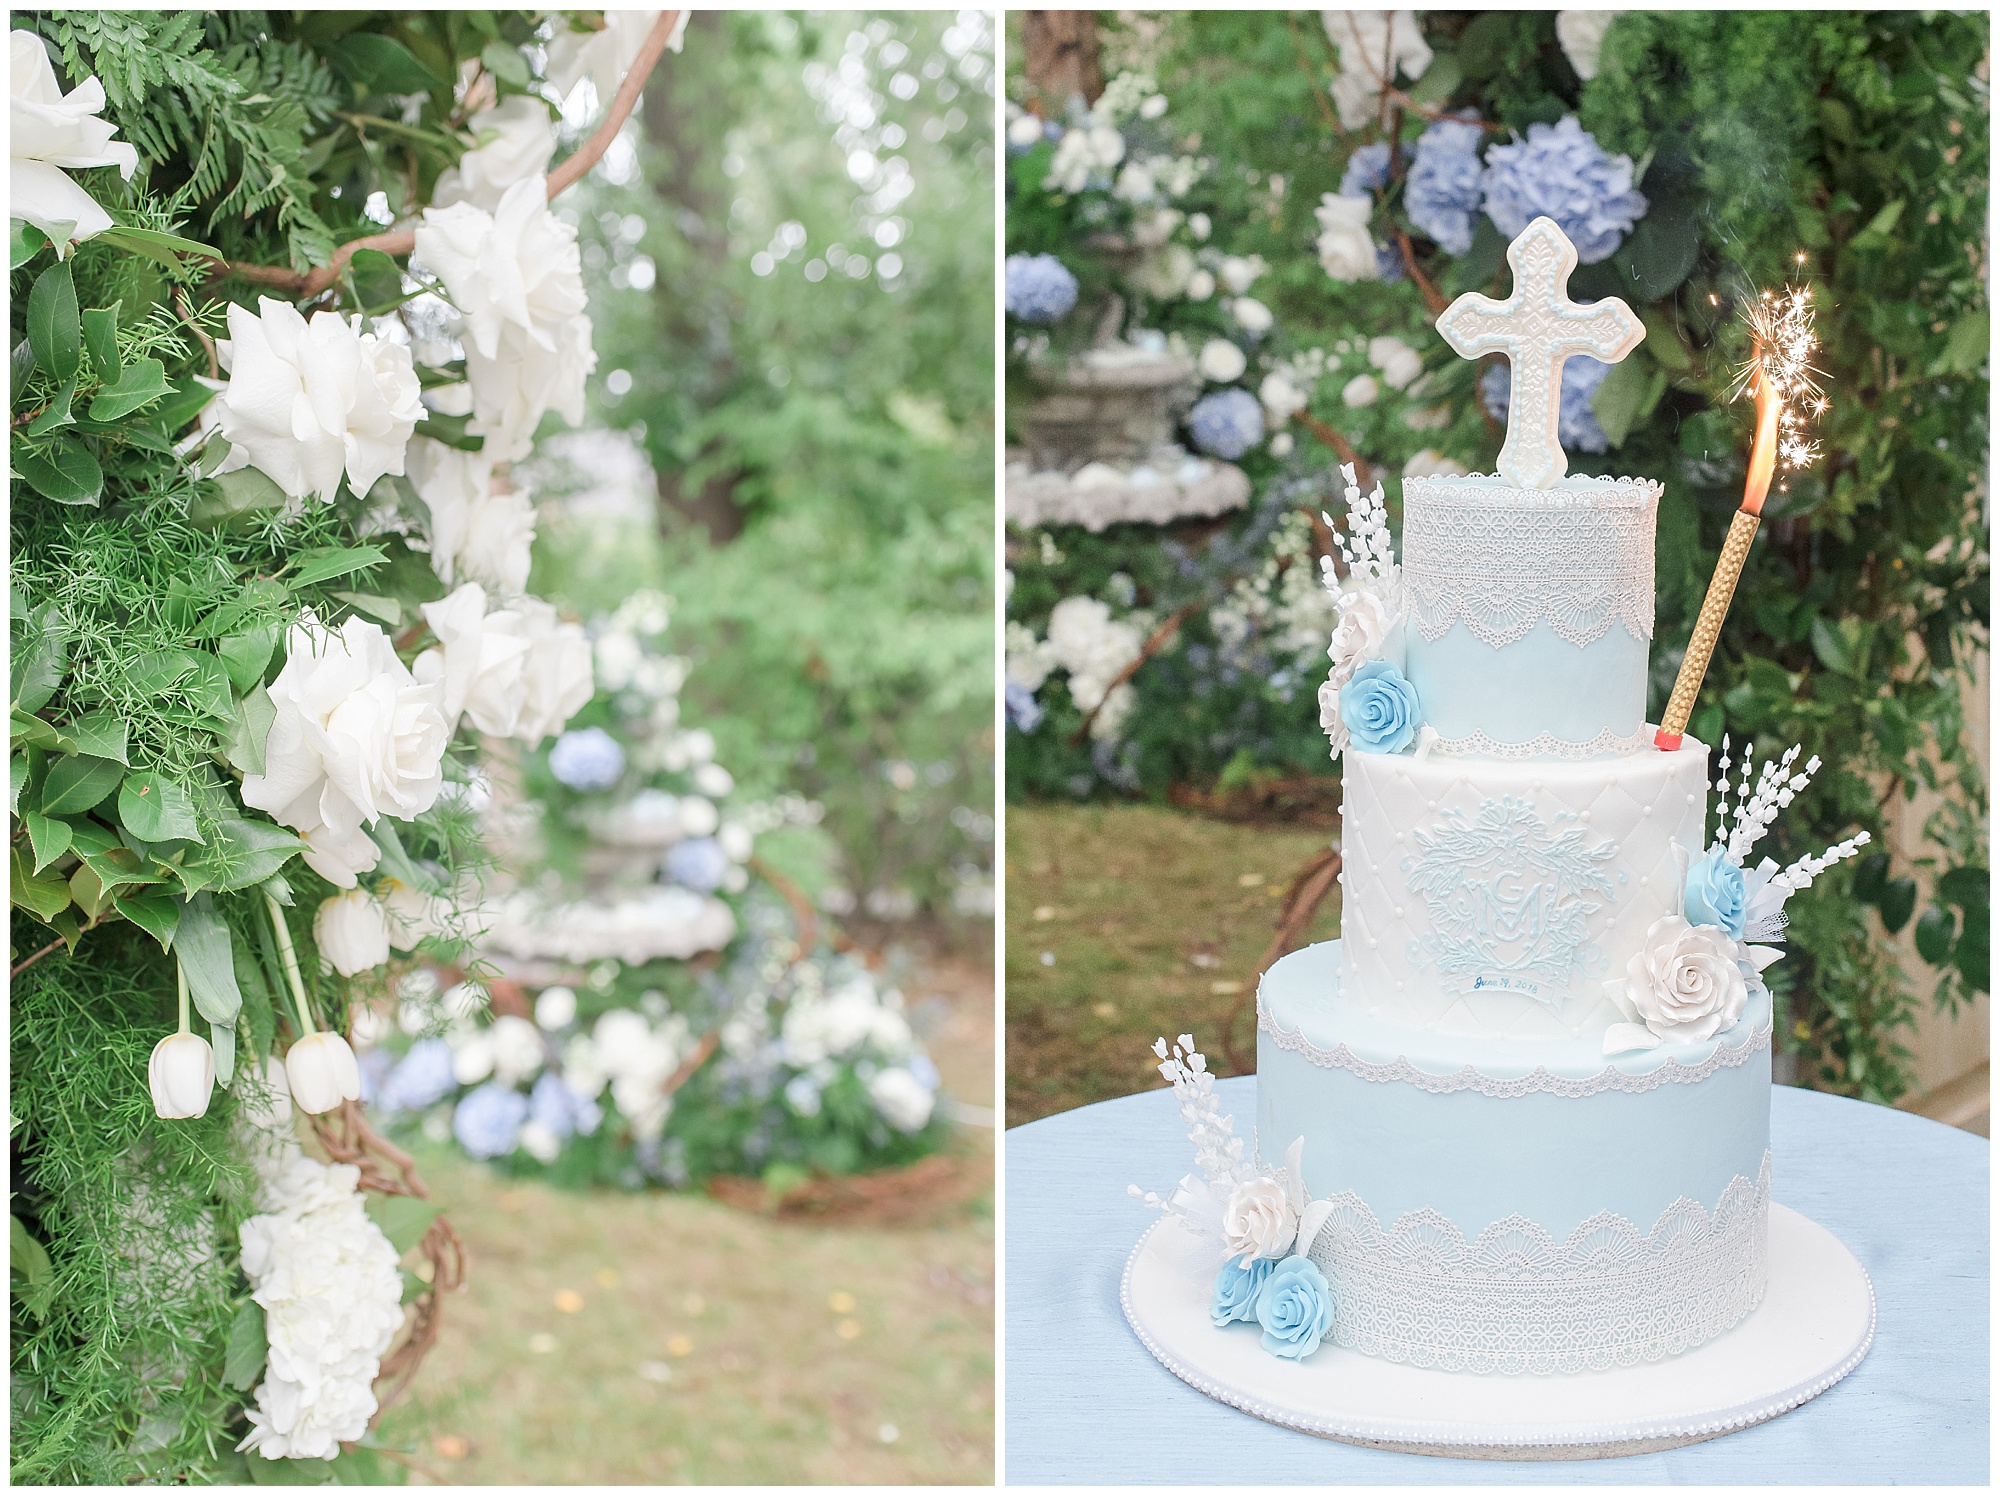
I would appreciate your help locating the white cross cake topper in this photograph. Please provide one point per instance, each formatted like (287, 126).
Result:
(1538, 328)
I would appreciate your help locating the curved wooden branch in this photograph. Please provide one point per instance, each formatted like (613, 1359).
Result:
(1309, 888)
(307, 285)
(1342, 447)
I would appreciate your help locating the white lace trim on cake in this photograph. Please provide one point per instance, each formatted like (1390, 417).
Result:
(1518, 1301)
(1577, 561)
(1607, 744)
(1540, 1080)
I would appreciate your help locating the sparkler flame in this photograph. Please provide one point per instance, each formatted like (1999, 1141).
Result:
(1781, 378)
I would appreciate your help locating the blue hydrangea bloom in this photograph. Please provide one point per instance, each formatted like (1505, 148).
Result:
(1389, 262)
(1040, 288)
(925, 1072)
(374, 1065)
(1236, 1288)
(1367, 169)
(1227, 423)
(1380, 708)
(1022, 709)
(1443, 189)
(488, 1121)
(555, 1105)
(1561, 172)
(1576, 426)
(1295, 1307)
(698, 863)
(1715, 895)
(587, 759)
(421, 1078)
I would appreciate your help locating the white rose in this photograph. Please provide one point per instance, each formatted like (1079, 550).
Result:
(1684, 980)
(1581, 33)
(518, 1051)
(499, 540)
(49, 130)
(450, 482)
(513, 390)
(1259, 1220)
(1251, 314)
(352, 931)
(306, 400)
(1359, 391)
(1366, 40)
(902, 1099)
(1221, 361)
(356, 737)
(1200, 285)
(1346, 249)
(1238, 273)
(1281, 398)
(698, 816)
(413, 914)
(619, 656)
(1427, 464)
(605, 56)
(520, 145)
(481, 660)
(1399, 362)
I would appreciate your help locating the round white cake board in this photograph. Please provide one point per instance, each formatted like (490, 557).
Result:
(1814, 1326)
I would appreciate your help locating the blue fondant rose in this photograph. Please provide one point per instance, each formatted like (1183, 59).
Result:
(1295, 1307)
(1380, 709)
(1236, 1290)
(1715, 895)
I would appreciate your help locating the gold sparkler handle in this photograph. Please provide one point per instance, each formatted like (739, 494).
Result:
(1714, 607)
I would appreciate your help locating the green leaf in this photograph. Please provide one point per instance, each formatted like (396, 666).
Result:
(100, 734)
(403, 1218)
(203, 948)
(320, 565)
(67, 472)
(166, 249)
(142, 384)
(155, 809)
(78, 782)
(57, 412)
(40, 657)
(24, 242)
(184, 401)
(395, 861)
(33, 732)
(53, 330)
(1871, 876)
(100, 336)
(451, 431)
(247, 655)
(385, 608)
(207, 687)
(243, 852)
(506, 63)
(1876, 235)
(1626, 397)
(1659, 254)
(1897, 904)
(158, 914)
(290, 1472)
(1972, 956)
(49, 836)
(160, 670)
(43, 896)
(18, 769)
(1967, 887)
(227, 495)
(243, 1362)
(378, 280)
(249, 729)
(28, 1260)
(222, 1042)
(1937, 927)
(1967, 344)
(1663, 341)
(381, 64)
(1831, 648)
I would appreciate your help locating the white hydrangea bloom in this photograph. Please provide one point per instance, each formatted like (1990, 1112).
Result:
(1093, 647)
(328, 1282)
(904, 1101)
(308, 400)
(843, 1022)
(1346, 249)
(48, 130)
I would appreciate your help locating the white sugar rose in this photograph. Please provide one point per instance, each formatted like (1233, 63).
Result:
(356, 737)
(1684, 980)
(1330, 721)
(1361, 635)
(48, 130)
(1221, 361)
(1346, 249)
(308, 400)
(1259, 1220)
(516, 142)
(352, 931)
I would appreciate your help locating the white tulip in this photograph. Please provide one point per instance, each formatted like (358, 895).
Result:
(1346, 249)
(307, 400)
(517, 143)
(352, 931)
(1221, 361)
(1251, 314)
(356, 737)
(322, 1073)
(181, 1071)
(48, 130)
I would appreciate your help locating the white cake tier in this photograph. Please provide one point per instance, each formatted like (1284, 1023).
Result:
(1496, 898)
(1530, 613)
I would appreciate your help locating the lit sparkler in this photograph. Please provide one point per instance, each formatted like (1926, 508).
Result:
(1779, 376)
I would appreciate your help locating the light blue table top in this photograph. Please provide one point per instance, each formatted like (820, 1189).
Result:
(1086, 1402)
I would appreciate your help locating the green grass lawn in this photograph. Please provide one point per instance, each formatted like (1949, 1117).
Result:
(607, 1338)
(1127, 922)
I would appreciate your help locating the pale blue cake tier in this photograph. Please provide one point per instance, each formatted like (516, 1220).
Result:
(1539, 684)
(1475, 1158)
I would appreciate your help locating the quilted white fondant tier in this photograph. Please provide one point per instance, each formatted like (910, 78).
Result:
(1496, 898)
(1530, 613)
